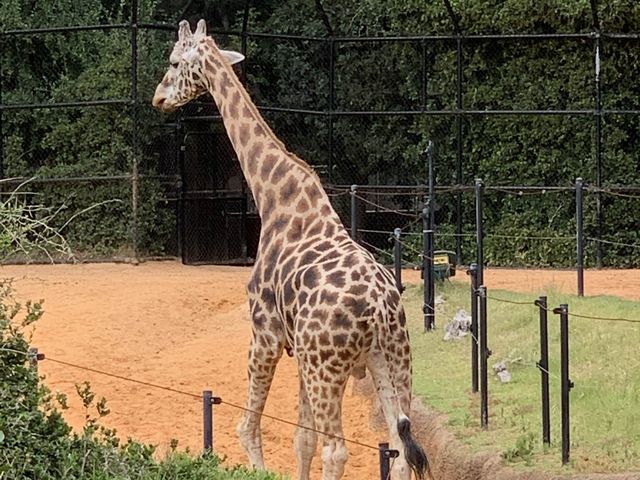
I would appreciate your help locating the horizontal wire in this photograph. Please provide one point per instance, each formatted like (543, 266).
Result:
(192, 395)
(605, 319)
(384, 209)
(611, 242)
(294, 424)
(121, 377)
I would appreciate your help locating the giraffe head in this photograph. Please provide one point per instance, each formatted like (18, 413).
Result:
(185, 79)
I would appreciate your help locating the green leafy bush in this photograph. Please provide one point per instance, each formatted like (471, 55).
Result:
(36, 442)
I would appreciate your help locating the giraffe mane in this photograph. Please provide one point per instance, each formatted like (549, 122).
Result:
(254, 110)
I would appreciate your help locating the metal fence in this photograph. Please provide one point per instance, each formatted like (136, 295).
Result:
(353, 130)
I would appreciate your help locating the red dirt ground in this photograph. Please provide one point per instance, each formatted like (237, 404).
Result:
(187, 328)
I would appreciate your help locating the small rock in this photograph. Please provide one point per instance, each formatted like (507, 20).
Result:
(499, 367)
(504, 376)
(458, 327)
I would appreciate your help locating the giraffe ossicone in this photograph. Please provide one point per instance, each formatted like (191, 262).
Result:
(313, 290)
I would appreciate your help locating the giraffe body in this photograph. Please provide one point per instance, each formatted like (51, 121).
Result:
(313, 291)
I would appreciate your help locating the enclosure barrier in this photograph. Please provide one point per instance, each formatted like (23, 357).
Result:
(385, 454)
(543, 365)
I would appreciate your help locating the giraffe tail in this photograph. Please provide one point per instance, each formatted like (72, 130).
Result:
(413, 452)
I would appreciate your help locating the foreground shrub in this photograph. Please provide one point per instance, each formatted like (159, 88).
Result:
(37, 443)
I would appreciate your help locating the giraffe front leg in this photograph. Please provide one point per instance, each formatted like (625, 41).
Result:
(305, 440)
(264, 353)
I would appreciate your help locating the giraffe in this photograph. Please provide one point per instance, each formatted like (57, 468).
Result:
(313, 291)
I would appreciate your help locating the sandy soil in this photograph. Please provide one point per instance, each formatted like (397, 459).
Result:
(187, 328)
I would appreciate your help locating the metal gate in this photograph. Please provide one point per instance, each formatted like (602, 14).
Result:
(214, 217)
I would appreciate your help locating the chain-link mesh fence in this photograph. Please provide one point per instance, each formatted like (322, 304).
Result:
(533, 109)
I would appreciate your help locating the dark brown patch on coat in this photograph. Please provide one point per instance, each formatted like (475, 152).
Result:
(308, 257)
(258, 131)
(341, 320)
(329, 230)
(356, 305)
(340, 340)
(289, 190)
(244, 134)
(328, 298)
(225, 84)
(268, 164)
(310, 278)
(255, 151)
(295, 231)
(279, 172)
(233, 105)
(302, 206)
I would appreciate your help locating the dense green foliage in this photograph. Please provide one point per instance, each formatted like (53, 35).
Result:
(369, 76)
(36, 442)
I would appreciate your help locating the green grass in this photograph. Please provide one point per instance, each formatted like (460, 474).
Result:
(604, 365)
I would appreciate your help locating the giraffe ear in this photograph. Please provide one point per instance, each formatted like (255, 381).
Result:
(233, 57)
(184, 31)
(201, 29)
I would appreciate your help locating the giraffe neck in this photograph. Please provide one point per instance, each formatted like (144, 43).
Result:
(281, 183)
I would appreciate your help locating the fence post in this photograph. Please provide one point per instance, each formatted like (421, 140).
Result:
(208, 401)
(34, 357)
(354, 213)
(566, 383)
(135, 120)
(472, 272)
(428, 307)
(428, 225)
(580, 235)
(385, 455)
(397, 258)
(479, 190)
(485, 353)
(598, 133)
(543, 365)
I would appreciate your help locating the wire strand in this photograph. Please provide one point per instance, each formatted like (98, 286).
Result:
(199, 397)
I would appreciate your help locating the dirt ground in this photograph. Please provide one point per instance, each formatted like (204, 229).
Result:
(187, 328)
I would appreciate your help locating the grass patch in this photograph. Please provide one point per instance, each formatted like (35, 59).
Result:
(604, 365)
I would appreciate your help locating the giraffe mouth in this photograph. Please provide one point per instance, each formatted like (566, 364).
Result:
(160, 102)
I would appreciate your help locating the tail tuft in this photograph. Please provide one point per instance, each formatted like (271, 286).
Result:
(413, 452)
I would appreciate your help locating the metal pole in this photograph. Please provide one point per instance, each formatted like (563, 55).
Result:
(243, 45)
(479, 190)
(484, 357)
(181, 225)
(354, 213)
(385, 454)
(459, 172)
(429, 220)
(34, 357)
(397, 258)
(134, 128)
(243, 77)
(2, 38)
(543, 365)
(580, 235)
(566, 383)
(473, 271)
(332, 95)
(598, 126)
(207, 420)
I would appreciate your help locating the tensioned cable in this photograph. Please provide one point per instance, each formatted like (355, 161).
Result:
(611, 242)
(382, 208)
(195, 396)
